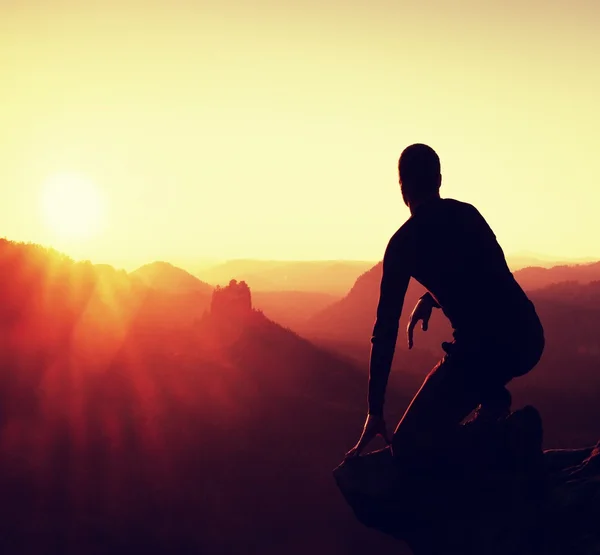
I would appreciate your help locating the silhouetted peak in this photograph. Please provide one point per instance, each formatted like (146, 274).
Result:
(233, 300)
(332, 277)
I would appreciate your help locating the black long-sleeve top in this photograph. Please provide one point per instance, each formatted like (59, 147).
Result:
(449, 248)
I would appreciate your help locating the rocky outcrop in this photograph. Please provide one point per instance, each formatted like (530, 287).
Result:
(232, 301)
(494, 493)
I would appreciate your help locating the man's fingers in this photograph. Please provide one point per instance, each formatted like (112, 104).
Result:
(356, 450)
(414, 318)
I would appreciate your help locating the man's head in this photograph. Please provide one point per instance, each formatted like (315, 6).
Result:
(420, 175)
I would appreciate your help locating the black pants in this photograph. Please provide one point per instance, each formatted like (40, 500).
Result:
(470, 374)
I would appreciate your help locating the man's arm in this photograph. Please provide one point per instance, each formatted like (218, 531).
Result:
(428, 297)
(394, 283)
(422, 311)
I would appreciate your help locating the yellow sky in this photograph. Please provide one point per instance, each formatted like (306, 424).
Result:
(271, 129)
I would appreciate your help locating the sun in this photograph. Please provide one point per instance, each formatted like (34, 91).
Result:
(72, 206)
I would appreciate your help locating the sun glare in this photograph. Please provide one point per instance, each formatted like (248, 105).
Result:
(72, 206)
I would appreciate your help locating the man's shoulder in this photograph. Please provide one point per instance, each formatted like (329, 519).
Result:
(400, 242)
(462, 210)
(403, 233)
(455, 204)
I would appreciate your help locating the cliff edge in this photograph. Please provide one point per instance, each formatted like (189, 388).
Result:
(495, 493)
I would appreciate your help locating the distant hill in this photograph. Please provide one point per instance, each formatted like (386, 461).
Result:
(517, 262)
(332, 277)
(520, 260)
(292, 308)
(165, 276)
(537, 277)
(352, 317)
(572, 293)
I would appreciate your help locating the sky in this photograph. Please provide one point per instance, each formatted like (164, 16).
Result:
(272, 129)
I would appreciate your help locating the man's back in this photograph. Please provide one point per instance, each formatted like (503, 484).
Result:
(452, 251)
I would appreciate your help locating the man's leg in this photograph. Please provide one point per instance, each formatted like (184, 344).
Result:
(464, 379)
(512, 362)
(451, 391)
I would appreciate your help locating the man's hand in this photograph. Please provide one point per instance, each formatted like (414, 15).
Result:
(422, 311)
(374, 426)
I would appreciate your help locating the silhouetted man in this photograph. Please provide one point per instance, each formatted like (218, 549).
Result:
(448, 247)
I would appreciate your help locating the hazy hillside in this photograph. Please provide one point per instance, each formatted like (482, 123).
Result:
(165, 276)
(536, 277)
(351, 319)
(145, 430)
(351, 316)
(572, 293)
(292, 308)
(520, 260)
(332, 277)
